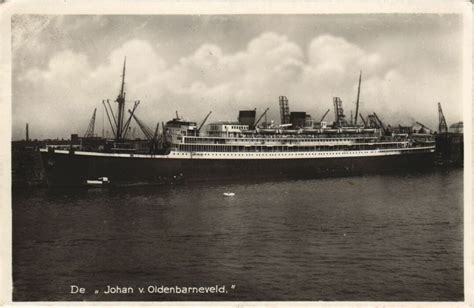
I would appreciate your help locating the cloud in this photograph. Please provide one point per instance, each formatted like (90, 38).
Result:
(63, 94)
(27, 28)
(58, 100)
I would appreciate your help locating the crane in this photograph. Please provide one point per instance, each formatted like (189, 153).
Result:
(204, 121)
(260, 118)
(443, 127)
(324, 116)
(90, 129)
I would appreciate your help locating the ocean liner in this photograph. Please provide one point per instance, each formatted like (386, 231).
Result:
(298, 147)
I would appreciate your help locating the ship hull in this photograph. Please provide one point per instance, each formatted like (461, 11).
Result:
(74, 170)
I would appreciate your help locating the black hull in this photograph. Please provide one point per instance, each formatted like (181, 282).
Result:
(74, 170)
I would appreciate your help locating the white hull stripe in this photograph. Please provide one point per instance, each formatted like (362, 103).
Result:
(258, 155)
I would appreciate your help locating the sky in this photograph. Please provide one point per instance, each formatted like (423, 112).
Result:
(65, 65)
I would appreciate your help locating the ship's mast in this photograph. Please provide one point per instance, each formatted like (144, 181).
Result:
(121, 106)
(357, 102)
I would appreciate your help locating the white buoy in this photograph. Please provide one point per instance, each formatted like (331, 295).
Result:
(228, 194)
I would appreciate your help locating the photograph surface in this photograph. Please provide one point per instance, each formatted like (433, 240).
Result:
(237, 157)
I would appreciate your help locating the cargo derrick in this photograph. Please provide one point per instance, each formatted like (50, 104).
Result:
(145, 129)
(372, 121)
(382, 126)
(154, 146)
(363, 121)
(424, 127)
(114, 124)
(324, 116)
(127, 124)
(151, 136)
(204, 121)
(259, 119)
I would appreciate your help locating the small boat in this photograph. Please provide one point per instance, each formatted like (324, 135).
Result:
(102, 181)
(228, 194)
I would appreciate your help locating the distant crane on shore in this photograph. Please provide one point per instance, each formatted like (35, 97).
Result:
(90, 129)
(443, 127)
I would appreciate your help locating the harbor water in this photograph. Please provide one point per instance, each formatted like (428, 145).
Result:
(379, 238)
